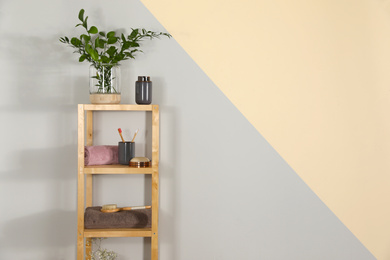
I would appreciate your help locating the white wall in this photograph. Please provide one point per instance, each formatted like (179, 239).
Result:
(225, 193)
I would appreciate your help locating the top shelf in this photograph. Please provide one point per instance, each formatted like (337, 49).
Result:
(119, 107)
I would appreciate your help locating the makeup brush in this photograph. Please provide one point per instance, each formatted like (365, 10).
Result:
(136, 132)
(120, 133)
(110, 208)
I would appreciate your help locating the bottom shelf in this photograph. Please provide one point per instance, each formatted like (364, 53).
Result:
(118, 232)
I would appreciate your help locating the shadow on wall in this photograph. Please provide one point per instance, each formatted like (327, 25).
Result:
(39, 141)
(38, 70)
(44, 230)
(42, 98)
(45, 84)
(57, 163)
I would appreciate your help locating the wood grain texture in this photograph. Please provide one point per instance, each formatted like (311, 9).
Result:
(80, 185)
(89, 179)
(116, 169)
(88, 248)
(118, 107)
(118, 232)
(155, 179)
(105, 98)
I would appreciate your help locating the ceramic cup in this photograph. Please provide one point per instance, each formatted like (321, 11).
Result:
(126, 151)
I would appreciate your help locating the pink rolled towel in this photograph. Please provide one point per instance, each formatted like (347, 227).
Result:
(101, 155)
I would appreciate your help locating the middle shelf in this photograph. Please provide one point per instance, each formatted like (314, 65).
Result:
(117, 169)
(118, 232)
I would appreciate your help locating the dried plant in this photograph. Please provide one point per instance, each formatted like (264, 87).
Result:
(101, 253)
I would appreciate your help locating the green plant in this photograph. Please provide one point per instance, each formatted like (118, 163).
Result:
(105, 50)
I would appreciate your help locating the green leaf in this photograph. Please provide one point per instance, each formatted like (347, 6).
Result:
(134, 44)
(94, 55)
(126, 45)
(120, 57)
(97, 42)
(128, 54)
(133, 34)
(111, 51)
(105, 59)
(112, 40)
(123, 37)
(85, 24)
(76, 42)
(93, 30)
(102, 43)
(85, 37)
(102, 34)
(82, 58)
(111, 34)
(64, 39)
(81, 15)
(88, 48)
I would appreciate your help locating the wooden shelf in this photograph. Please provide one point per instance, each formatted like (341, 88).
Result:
(116, 169)
(118, 232)
(119, 107)
(86, 175)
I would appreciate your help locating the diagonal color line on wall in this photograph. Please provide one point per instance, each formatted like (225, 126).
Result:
(311, 77)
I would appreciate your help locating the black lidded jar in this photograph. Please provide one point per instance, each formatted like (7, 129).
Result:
(143, 90)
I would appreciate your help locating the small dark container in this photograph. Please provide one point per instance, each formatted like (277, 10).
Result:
(126, 151)
(143, 90)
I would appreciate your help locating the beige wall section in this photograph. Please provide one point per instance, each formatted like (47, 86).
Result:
(313, 78)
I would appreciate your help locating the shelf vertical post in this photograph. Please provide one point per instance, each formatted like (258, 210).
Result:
(89, 178)
(155, 179)
(80, 185)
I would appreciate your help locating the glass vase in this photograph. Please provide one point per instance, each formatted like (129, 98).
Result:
(104, 84)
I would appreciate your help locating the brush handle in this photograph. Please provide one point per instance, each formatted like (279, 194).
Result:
(124, 208)
(120, 133)
(136, 207)
(135, 135)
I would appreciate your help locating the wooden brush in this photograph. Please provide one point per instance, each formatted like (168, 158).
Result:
(120, 133)
(111, 208)
(136, 132)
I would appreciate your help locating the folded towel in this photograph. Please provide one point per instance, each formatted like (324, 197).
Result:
(101, 154)
(138, 218)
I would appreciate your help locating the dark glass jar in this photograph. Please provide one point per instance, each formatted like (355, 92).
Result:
(143, 90)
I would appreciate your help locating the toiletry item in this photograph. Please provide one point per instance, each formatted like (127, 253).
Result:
(126, 151)
(143, 90)
(110, 208)
(120, 133)
(136, 132)
(140, 162)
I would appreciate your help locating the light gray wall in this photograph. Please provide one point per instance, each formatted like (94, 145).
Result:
(225, 193)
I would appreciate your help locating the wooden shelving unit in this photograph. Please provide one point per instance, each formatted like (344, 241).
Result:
(85, 176)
